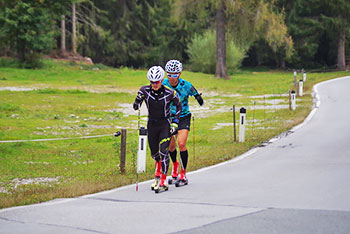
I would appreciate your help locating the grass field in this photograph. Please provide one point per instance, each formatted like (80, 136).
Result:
(70, 100)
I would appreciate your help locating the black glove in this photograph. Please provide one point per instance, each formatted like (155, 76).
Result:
(136, 106)
(199, 99)
(174, 126)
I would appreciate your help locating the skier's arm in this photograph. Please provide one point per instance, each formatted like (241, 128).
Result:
(138, 100)
(197, 96)
(178, 104)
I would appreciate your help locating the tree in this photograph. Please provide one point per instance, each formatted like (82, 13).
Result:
(221, 70)
(133, 33)
(336, 17)
(202, 53)
(63, 35)
(28, 27)
(317, 28)
(74, 29)
(245, 20)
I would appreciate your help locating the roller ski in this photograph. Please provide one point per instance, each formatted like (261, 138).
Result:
(182, 181)
(161, 187)
(174, 174)
(155, 183)
(156, 175)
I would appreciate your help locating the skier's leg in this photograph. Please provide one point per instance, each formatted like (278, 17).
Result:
(175, 171)
(173, 153)
(164, 148)
(172, 147)
(153, 143)
(182, 140)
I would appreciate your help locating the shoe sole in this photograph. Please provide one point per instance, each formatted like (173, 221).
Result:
(181, 183)
(161, 190)
(172, 180)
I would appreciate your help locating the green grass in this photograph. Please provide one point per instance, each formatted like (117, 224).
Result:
(69, 100)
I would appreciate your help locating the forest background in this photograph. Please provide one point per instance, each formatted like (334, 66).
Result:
(65, 99)
(309, 34)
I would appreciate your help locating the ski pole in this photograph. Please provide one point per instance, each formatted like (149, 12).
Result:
(138, 120)
(137, 183)
(194, 140)
(138, 128)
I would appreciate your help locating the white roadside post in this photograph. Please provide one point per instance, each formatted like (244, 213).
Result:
(304, 76)
(242, 123)
(295, 78)
(301, 88)
(293, 100)
(141, 154)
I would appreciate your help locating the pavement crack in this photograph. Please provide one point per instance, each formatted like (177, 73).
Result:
(223, 220)
(53, 225)
(171, 202)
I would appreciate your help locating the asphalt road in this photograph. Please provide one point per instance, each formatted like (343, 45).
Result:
(297, 184)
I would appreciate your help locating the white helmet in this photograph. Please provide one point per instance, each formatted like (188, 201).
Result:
(173, 66)
(155, 73)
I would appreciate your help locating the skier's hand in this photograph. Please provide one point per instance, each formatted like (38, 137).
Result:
(199, 99)
(173, 128)
(136, 106)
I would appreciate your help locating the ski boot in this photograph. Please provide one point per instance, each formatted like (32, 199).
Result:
(156, 175)
(175, 173)
(161, 187)
(182, 180)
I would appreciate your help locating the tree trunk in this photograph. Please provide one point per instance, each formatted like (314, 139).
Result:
(341, 50)
(281, 62)
(221, 42)
(63, 35)
(74, 30)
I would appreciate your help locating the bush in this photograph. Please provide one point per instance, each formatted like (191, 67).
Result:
(9, 62)
(32, 61)
(202, 53)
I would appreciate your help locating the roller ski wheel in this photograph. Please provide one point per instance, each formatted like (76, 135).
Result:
(180, 183)
(172, 180)
(155, 183)
(161, 188)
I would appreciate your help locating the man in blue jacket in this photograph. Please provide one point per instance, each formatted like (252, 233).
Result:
(184, 89)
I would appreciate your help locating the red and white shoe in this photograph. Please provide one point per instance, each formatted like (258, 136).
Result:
(175, 172)
(182, 180)
(162, 186)
(157, 174)
(158, 167)
(183, 177)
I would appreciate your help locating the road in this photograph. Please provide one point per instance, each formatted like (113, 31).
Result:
(297, 184)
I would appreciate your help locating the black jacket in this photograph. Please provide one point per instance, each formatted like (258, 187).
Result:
(158, 102)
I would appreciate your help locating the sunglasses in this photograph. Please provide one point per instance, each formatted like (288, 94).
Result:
(173, 75)
(156, 82)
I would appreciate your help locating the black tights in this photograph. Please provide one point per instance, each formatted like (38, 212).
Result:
(158, 141)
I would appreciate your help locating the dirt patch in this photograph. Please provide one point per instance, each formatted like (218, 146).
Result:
(18, 89)
(39, 180)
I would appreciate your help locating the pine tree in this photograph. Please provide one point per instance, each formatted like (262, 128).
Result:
(245, 20)
(335, 16)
